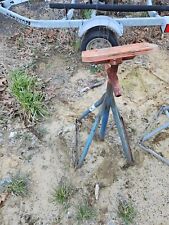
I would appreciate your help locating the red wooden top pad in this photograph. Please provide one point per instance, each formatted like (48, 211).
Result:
(106, 55)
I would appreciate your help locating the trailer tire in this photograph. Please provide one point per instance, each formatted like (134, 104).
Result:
(99, 37)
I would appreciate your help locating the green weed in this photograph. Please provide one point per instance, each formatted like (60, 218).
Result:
(63, 193)
(85, 212)
(86, 14)
(96, 69)
(76, 45)
(18, 186)
(20, 42)
(27, 92)
(126, 212)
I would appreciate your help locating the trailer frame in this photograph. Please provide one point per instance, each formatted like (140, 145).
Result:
(115, 25)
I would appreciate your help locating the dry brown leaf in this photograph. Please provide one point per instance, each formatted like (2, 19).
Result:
(28, 31)
(3, 83)
(3, 198)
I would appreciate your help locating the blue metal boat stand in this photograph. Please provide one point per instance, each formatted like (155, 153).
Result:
(147, 136)
(105, 104)
(111, 57)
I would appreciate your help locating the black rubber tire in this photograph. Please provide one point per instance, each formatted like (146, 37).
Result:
(99, 32)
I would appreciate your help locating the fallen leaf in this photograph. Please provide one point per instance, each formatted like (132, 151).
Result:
(3, 84)
(3, 198)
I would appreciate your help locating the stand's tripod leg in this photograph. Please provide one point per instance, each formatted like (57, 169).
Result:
(105, 117)
(89, 140)
(121, 129)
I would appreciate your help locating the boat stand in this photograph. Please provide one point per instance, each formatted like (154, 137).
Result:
(147, 136)
(111, 57)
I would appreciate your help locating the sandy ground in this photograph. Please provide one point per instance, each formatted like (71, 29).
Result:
(144, 82)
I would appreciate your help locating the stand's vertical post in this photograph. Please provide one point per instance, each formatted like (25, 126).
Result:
(105, 117)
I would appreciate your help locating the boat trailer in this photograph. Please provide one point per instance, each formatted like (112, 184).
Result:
(98, 28)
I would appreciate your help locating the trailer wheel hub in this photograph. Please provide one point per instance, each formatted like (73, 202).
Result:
(98, 43)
